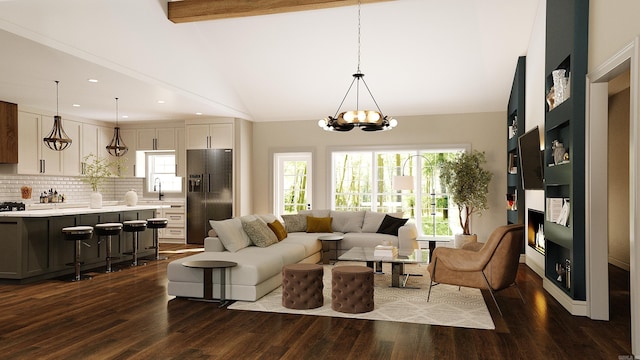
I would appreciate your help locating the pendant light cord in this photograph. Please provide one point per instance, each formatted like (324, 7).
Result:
(358, 37)
(57, 100)
(116, 112)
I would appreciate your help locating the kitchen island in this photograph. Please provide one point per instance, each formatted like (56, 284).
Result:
(33, 248)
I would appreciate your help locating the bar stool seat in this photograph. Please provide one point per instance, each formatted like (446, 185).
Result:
(79, 234)
(155, 224)
(134, 226)
(107, 230)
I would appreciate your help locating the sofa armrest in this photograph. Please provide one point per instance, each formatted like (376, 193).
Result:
(407, 242)
(213, 244)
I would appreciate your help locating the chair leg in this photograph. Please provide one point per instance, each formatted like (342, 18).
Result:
(519, 293)
(431, 276)
(491, 292)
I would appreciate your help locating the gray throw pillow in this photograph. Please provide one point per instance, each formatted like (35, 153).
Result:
(259, 233)
(231, 234)
(295, 222)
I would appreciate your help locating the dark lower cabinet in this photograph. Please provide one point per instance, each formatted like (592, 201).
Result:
(33, 248)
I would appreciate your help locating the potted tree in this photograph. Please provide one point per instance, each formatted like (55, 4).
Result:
(468, 184)
(95, 172)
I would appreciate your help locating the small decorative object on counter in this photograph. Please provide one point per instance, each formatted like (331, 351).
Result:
(131, 198)
(25, 191)
(558, 152)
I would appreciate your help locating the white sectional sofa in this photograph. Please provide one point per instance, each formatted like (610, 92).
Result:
(259, 267)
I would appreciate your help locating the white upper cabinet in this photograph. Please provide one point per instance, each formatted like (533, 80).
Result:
(71, 156)
(34, 157)
(209, 136)
(156, 139)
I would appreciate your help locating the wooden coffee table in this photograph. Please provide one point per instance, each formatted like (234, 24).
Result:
(207, 267)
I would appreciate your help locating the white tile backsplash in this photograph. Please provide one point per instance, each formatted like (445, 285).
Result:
(74, 190)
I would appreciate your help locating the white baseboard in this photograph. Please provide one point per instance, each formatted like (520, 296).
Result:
(575, 307)
(620, 264)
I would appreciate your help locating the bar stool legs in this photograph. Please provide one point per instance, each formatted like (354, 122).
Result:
(134, 226)
(155, 224)
(78, 234)
(107, 230)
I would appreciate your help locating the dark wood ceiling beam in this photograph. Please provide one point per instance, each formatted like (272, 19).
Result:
(201, 10)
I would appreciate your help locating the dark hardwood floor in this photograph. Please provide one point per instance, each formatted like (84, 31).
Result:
(128, 315)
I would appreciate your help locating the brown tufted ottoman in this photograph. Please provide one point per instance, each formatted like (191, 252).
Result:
(352, 289)
(302, 286)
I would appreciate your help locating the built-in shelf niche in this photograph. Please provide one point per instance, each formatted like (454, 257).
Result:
(535, 230)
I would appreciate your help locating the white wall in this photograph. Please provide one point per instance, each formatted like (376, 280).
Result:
(534, 115)
(612, 25)
(484, 131)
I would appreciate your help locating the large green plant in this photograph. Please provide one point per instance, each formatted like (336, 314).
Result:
(467, 183)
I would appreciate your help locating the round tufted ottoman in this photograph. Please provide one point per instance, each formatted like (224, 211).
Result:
(302, 286)
(352, 289)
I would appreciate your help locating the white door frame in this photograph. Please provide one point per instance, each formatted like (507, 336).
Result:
(597, 249)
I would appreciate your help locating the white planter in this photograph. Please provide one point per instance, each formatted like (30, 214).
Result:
(95, 200)
(459, 240)
(131, 198)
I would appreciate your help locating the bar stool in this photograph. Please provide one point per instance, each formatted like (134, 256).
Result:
(79, 234)
(108, 230)
(155, 224)
(134, 226)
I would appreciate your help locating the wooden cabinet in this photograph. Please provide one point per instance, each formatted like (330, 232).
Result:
(156, 139)
(209, 136)
(8, 133)
(565, 71)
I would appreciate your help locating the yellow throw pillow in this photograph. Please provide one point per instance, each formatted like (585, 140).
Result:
(319, 225)
(278, 229)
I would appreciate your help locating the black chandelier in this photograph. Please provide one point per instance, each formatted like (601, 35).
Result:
(57, 139)
(367, 120)
(117, 147)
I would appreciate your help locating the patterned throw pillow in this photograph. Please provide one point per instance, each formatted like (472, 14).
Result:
(278, 229)
(319, 225)
(295, 222)
(259, 233)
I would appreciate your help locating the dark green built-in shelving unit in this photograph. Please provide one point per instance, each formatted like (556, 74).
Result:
(516, 118)
(566, 48)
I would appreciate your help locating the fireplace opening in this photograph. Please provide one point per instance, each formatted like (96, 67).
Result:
(535, 230)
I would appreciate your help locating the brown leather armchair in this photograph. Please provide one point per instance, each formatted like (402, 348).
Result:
(492, 265)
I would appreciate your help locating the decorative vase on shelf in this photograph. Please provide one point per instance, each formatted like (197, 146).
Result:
(95, 200)
(131, 198)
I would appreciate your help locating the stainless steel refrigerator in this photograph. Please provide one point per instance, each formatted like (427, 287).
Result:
(209, 190)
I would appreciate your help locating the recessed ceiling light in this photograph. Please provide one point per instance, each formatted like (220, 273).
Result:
(92, 80)
(198, 113)
(160, 101)
(76, 105)
(125, 116)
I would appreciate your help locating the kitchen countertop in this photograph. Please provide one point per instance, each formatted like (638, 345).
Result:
(63, 209)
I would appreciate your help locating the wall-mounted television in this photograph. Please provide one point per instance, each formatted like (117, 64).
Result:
(530, 157)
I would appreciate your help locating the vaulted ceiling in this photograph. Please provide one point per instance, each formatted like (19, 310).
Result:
(419, 57)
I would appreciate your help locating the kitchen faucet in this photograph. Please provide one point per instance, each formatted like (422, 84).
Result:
(157, 186)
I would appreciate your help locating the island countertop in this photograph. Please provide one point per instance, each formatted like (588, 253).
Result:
(64, 210)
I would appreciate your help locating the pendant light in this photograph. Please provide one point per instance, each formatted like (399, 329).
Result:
(367, 120)
(57, 139)
(117, 146)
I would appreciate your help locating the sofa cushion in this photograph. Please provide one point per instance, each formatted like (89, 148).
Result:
(367, 240)
(390, 225)
(372, 220)
(315, 213)
(278, 229)
(347, 221)
(317, 224)
(259, 233)
(231, 234)
(295, 222)
(308, 240)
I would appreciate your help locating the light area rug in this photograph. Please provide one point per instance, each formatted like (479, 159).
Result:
(448, 306)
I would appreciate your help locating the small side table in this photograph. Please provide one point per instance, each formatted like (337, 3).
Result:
(330, 247)
(432, 243)
(207, 267)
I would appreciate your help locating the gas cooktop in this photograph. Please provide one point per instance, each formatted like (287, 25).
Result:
(11, 206)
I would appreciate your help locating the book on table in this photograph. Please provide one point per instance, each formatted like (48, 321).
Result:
(386, 251)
